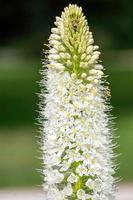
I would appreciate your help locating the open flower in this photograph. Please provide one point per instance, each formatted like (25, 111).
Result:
(94, 184)
(82, 195)
(54, 176)
(68, 190)
(81, 170)
(72, 178)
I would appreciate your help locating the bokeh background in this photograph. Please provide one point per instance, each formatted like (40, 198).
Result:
(25, 27)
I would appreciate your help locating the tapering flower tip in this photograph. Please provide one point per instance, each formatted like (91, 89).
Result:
(72, 46)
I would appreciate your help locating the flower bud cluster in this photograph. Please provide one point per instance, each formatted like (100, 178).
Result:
(72, 46)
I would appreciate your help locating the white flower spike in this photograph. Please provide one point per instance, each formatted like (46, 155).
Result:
(76, 141)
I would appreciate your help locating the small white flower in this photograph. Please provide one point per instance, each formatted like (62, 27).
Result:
(64, 166)
(98, 185)
(54, 176)
(95, 185)
(87, 159)
(68, 190)
(72, 156)
(81, 170)
(72, 178)
(90, 184)
(89, 86)
(52, 160)
(82, 195)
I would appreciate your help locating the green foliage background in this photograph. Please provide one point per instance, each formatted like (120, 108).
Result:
(22, 39)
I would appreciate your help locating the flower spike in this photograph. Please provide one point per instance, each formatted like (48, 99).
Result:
(77, 144)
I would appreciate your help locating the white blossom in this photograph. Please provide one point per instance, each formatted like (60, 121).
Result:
(72, 178)
(76, 134)
(82, 195)
(81, 170)
(65, 166)
(67, 191)
(53, 176)
(94, 184)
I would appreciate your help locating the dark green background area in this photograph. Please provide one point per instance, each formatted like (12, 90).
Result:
(19, 88)
(25, 27)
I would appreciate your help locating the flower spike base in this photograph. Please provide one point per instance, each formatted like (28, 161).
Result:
(77, 138)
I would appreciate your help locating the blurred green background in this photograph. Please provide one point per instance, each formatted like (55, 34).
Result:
(25, 26)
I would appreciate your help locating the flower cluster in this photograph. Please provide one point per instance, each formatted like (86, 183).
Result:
(77, 142)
